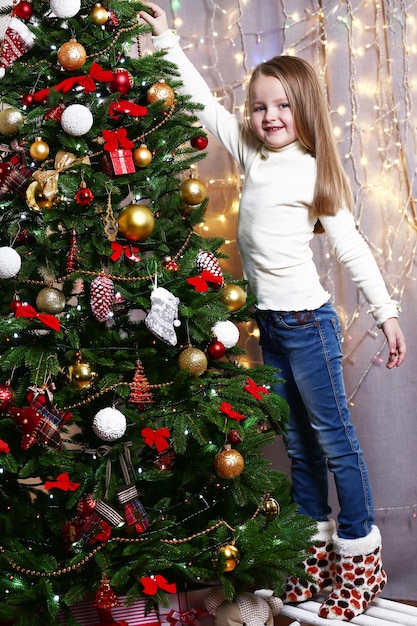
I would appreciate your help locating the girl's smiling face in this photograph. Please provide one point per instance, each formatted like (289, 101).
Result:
(271, 117)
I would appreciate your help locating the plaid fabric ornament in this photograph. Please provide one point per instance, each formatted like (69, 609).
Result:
(134, 511)
(41, 422)
(98, 527)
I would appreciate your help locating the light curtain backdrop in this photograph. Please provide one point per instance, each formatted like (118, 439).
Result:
(365, 53)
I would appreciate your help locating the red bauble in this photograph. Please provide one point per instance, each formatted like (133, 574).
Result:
(23, 10)
(86, 505)
(84, 195)
(28, 99)
(122, 81)
(200, 142)
(15, 304)
(216, 349)
(233, 436)
(7, 398)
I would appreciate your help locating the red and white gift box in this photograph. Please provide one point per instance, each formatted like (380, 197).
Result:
(118, 162)
(86, 615)
(186, 608)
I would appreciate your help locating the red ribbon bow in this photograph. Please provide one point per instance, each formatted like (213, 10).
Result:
(114, 138)
(129, 251)
(254, 389)
(185, 617)
(126, 107)
(156, 437)
(227, 408)
(201, 283)
(151, 584)
(62, 482)
(26, 310)
(4, 447)
(88, 82)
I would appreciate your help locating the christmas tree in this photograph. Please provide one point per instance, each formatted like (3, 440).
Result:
(130, 436)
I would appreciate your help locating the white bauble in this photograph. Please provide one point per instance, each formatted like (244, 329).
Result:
(10, 262)
(227, 333)
(65, 8)
(76, 120)
(109, 424)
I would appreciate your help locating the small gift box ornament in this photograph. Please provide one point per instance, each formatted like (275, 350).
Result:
(118, 157)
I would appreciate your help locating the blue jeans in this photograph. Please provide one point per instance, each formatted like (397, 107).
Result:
(306, 347)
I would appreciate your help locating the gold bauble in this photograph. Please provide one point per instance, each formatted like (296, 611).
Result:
(81, 375)
(233, 296)
(99, 15)
(160, 91)
(136, 222)
(228, 463)
(192, 191)
(39, 150)
(50, 300)
(270, 507)
(71, 55)
(142, 156)
(232, 556)
(11, 121)
(193, 360)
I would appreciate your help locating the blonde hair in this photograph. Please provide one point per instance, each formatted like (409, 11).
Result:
(314, 128)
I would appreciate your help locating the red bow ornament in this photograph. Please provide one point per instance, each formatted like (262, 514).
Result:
(62, 482)
(255, 390)
(50, 321)
(129, 251)
(206, 278)
(125, 107)
(115, 138)
(156, 437)
(151, 584)
(227, 408)
(87, 82)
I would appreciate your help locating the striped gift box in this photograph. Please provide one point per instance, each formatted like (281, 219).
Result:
(86, 614)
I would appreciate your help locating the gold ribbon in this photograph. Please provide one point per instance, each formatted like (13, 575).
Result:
(48, 179)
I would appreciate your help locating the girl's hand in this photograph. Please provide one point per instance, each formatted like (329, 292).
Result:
(157, 18)
(396, 342)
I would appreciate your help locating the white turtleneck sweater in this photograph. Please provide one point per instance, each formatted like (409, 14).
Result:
(275, 225)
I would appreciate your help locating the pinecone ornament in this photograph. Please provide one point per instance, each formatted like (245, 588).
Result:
(102, 297)
(208, 261)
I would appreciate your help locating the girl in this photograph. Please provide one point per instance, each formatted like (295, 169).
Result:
(294, 185)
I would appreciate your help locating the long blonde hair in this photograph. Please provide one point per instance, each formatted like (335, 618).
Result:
(314, 129)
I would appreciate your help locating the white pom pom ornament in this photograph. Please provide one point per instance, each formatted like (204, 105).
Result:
(10, 262)
(109, 424)
(65, 8)
(76, 120)
(227, 333)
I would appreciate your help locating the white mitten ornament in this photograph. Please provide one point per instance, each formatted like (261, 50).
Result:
(163, 316)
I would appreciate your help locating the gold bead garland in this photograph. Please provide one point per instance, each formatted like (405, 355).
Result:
(65, 570)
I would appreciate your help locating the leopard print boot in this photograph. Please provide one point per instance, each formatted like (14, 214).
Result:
(320, 565)
(359, 576)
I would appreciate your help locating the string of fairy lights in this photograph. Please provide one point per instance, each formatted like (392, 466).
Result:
(366, 57)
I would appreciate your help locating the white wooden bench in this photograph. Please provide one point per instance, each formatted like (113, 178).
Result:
(379, 613)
